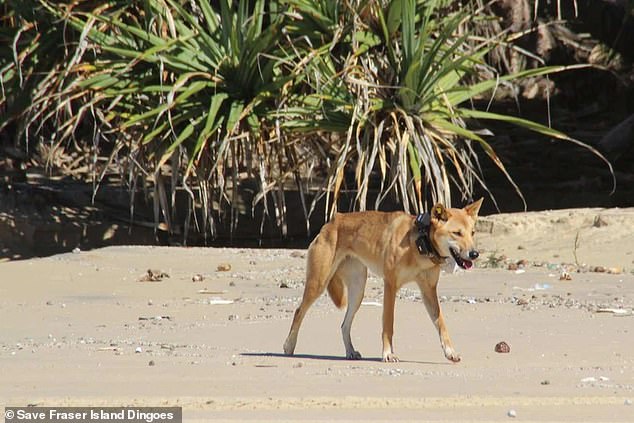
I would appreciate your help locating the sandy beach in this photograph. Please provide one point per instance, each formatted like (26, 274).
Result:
(203, 329)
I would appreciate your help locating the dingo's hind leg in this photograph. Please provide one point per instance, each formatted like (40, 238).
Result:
(319, 270)
(354, 274)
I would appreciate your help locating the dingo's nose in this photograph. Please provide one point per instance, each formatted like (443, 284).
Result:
(473, 254)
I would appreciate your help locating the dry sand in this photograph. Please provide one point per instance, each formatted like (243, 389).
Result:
(82, 329)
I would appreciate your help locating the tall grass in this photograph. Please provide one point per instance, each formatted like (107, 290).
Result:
(210, 97)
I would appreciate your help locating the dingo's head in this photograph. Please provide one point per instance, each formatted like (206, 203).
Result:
(453, 232)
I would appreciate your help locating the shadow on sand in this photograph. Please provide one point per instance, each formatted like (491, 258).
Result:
(338, 358)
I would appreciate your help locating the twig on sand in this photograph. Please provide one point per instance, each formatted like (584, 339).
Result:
(574, 251)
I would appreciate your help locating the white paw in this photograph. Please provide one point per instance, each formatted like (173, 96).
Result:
(452, 355)
(390, 358)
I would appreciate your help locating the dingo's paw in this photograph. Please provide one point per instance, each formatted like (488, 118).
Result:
(354, 355)
(390, 358)
(452, 355)
(289, 349)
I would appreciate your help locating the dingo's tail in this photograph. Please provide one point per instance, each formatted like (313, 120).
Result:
(337, 291)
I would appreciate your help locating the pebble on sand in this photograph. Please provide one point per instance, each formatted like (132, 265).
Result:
(502, 347)
(223, 267)
(565, 275)
(153, 275)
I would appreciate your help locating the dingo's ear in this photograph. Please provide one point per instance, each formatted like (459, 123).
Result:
(440, 212)
(473, 208)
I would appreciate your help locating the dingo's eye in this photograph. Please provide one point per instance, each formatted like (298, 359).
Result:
(457, 233)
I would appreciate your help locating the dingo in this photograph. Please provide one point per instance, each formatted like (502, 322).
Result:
(396, 246)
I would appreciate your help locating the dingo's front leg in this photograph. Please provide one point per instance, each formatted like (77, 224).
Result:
(389, 299)
(430, 297)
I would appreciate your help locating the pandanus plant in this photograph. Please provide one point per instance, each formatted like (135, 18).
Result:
(218, 97)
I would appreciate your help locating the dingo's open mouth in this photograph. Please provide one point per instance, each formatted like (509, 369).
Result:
(464, 263)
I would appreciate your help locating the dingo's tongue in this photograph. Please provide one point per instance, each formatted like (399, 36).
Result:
(461, 262)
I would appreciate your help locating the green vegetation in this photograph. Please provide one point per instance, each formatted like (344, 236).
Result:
(204, 96)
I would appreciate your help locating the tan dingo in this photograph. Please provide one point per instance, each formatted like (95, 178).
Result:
(397, 246)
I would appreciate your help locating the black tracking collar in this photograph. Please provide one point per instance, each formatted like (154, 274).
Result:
(423, 241)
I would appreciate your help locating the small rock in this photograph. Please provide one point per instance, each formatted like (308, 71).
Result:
(233, 317)
(512, 266)
(150, 302)
(232, 283)
(502, 347)
(545, 382)
(151, 363)
(223, 267)
(76, 250)
(628, 402)
(153, 275)
(565, 276)
(298, 365)
(599, 269)
(298, 254)
(522, 301)
(138, 350)
(284, 285)
(197, 278)
(615, 270)
(49, 302)
(512, 413)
